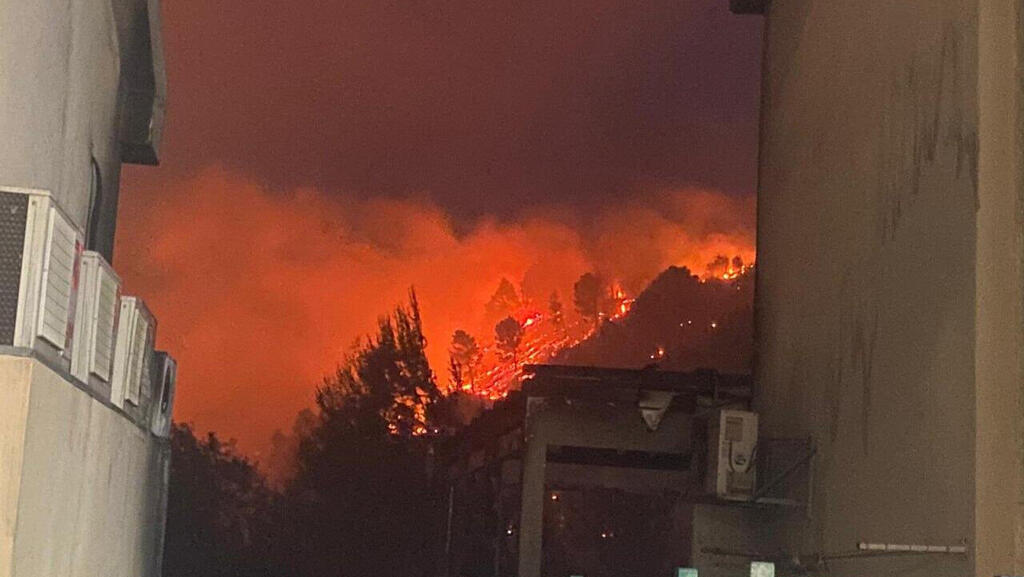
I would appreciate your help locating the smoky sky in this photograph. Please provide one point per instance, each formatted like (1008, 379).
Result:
(487, 107)
(322, 157)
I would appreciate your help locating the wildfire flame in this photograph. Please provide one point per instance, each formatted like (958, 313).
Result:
(497, 374)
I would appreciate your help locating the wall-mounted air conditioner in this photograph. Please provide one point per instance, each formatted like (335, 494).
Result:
(732, 438)
(95, 319)
(39, 258)
(165, 376)
(132, 351)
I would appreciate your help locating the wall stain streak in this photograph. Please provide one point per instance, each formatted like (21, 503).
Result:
(863, 350)
(924, 113)
(855, 350)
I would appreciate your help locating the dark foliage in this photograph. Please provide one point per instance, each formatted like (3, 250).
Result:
(220, 514)
(680, 323)
(588, 294)
(508, 335)
(362, 500)
(362, 503)
(504, 301)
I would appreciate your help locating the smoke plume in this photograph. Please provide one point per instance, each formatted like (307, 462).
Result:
(258, 293)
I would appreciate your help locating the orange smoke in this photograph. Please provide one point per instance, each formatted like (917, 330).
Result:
(259, 293)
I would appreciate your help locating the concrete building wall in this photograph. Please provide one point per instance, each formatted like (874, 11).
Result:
(889, 287)
(82, 484)
(61, 71)
(595, 425)
(999, 348)
(14, 390)
(91, 491)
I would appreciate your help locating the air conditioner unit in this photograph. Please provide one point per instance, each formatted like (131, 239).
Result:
(132, 351)
(165, 376)
(95, 319)
(39, 258)
(732, 438)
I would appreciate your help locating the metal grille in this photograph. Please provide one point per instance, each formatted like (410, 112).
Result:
(13, 211)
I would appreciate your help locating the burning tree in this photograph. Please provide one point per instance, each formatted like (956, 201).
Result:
(362, 501)
(465, 355)
(388, 373)
(555, 310)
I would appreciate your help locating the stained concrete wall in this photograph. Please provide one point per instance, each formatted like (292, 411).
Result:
(90, 493)
(82, 486)
(60, 66)
(889, 281)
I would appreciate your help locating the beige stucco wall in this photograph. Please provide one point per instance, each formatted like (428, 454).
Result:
(91, 486)
(999, 346)
(15, 375)
(888, 274)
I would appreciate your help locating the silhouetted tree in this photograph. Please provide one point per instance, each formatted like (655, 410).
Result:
(504, 301)
(455, 374)
(220, 511)
(508, 335)
(389, 372)
(362, 503)
(465, 355)
(588, 295)
(555, 310)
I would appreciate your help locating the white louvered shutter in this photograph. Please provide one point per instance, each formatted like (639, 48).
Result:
(59, 262)
(106, 317)
(140, 335)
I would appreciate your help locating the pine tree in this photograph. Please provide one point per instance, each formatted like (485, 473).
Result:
(465, 354)
(508, 335)
(555, 310)
(504, 301)
(588, 295)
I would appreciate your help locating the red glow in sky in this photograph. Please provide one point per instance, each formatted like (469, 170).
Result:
(321, 157)
(260, 293)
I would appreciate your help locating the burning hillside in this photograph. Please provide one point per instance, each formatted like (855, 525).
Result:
(268, 290)
(681, 321)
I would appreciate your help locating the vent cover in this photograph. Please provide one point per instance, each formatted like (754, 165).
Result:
(60, 263)
(135, 328)
(95, 319)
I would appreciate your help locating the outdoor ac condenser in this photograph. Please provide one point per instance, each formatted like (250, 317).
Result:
(134, 346)
(732, 438)
(39, 258)
(95, 319)
(165, 376)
